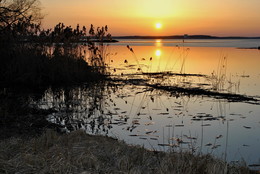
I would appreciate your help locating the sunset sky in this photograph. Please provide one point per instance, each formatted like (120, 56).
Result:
(172, 17)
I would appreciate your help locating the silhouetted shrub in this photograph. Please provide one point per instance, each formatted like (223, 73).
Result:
(45, 57)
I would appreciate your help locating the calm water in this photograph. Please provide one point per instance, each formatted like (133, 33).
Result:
(168, 121)
(245, 43)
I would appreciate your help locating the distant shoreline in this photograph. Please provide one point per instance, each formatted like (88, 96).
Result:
(258, 48)
(183, 37)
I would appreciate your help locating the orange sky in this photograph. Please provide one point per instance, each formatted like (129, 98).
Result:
(138, 17)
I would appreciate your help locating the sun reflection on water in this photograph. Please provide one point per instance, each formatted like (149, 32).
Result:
(158, 52)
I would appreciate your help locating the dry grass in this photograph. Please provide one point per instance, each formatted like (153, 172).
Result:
(81, 153)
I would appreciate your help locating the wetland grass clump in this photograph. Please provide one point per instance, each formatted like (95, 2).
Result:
(52, 59)
(79, 152)
(32, 56)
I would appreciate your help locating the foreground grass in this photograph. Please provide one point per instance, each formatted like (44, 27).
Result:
(81, 153)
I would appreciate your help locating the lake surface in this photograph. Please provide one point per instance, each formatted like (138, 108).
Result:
(130, 108)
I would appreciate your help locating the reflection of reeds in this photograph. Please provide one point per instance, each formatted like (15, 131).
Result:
(79, 108)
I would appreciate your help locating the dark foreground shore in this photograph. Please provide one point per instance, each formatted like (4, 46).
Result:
(78, 152)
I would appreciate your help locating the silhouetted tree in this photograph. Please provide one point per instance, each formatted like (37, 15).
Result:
(15, 11)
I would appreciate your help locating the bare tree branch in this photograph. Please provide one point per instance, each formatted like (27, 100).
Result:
(13, 11)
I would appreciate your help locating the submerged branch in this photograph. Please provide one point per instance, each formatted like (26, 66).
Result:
(192, 91)
(198, 91)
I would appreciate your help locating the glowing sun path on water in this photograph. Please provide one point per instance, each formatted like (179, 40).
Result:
(158, 52)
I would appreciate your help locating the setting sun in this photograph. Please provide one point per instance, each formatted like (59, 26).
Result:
(127, 18)
(158, 25)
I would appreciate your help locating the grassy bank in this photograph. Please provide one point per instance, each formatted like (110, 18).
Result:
(81, 153)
